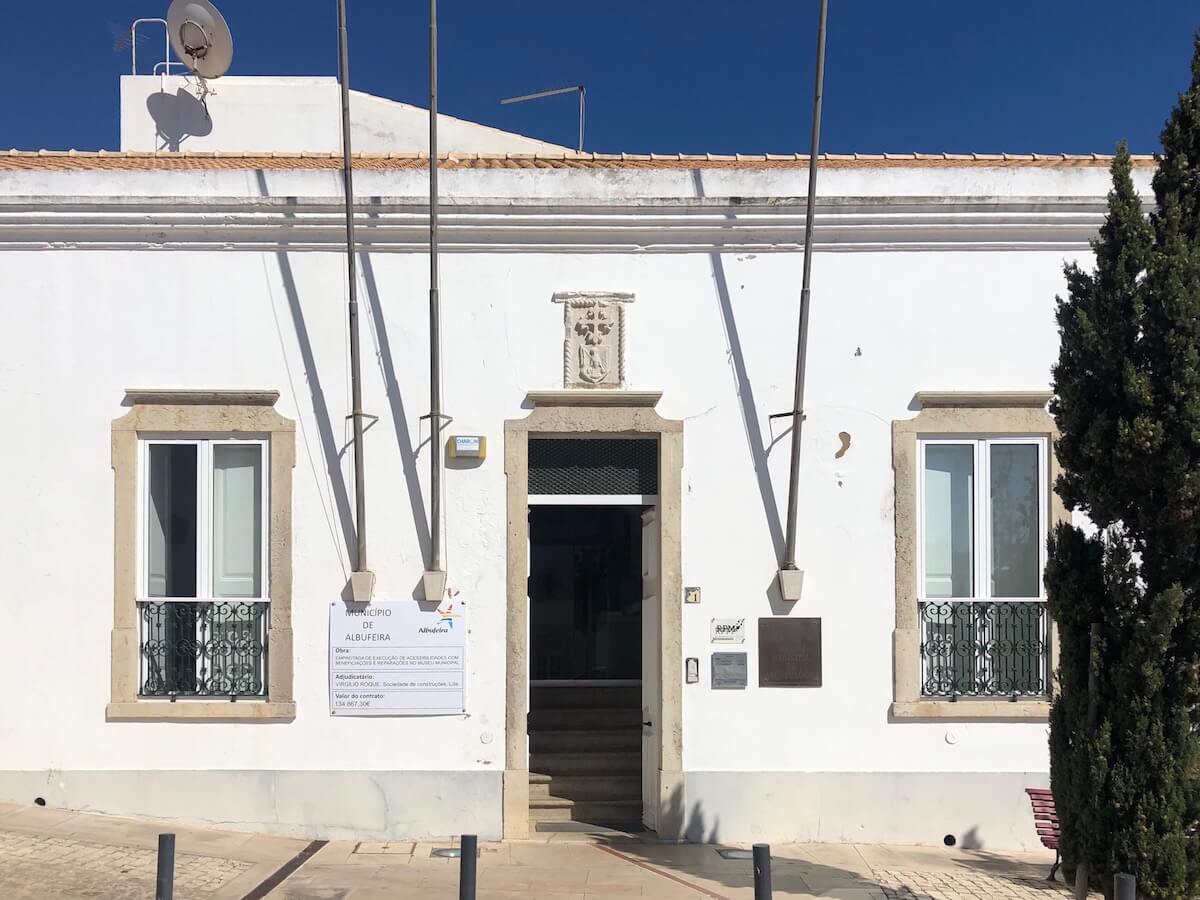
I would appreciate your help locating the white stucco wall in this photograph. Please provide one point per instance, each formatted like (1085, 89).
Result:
(160, 112)
(86, 318)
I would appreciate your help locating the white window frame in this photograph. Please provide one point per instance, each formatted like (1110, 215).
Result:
(204, 444)
(982, 519)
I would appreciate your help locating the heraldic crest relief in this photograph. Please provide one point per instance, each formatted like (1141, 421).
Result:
(594, 338)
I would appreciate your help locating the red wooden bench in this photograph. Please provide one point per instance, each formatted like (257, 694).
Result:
(1045, 818)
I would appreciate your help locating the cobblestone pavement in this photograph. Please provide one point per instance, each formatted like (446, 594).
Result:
(40, 867)
(965, 884)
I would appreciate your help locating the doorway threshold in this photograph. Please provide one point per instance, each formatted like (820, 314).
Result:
(584, 831)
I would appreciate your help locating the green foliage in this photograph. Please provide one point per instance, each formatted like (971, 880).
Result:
(1098, 379)
(1075, 588)
(1127, 405)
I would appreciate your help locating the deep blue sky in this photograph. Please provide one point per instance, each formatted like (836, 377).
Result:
(667, 75)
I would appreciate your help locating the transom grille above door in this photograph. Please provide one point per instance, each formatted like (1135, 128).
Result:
(593, 466)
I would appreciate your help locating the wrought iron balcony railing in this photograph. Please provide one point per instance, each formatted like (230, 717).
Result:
(203, 648)
(973, 648)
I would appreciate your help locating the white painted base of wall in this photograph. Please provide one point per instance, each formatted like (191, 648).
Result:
(986, 810)
(324, 804)
(983, 810)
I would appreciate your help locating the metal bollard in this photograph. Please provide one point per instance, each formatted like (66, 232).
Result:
(164, 886)
(1124, 887)
(468, 854)
(762, 872)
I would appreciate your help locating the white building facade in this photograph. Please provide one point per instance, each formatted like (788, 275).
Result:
(621, 333)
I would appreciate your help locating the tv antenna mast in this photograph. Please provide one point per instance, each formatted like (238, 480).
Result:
(578, 88)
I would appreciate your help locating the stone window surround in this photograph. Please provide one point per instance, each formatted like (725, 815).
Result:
(945, 413)
(597, 413)
(216, 412)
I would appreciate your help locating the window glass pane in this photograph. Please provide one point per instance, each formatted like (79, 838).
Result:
(237, 520)
(1015, 520)
(171, 521)
(949, 538)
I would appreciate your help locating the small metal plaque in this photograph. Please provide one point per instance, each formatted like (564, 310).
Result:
(691, 595)
(789, 652)
(727, 631)
(728, 671)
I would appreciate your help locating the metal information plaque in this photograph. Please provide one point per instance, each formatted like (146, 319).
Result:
(789, 652)
(397, 659)
(728, 671)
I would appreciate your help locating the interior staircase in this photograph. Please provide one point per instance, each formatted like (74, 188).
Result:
(585, 755)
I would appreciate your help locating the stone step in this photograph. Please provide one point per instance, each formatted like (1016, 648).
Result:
(539, 786)
(550, 809)
(577, 697)
(602, 763)
(622, 814)
(586, 741)
(580, 788)
(585, 719)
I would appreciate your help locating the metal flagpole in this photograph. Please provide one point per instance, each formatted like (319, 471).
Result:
(790, 583)
(356, 412)
(434, 580)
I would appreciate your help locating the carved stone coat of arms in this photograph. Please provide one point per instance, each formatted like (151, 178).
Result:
(594, 340)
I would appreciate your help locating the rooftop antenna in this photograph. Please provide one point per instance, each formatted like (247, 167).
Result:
(129, 38)
(362, 580)
(554, 93)
(200, 38)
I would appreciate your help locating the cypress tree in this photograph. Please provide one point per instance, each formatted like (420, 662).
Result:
(1075, 588)
(1127, 405)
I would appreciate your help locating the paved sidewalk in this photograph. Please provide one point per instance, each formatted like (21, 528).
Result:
(49, 854)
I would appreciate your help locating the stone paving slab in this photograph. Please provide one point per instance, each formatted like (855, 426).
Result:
(48, 854)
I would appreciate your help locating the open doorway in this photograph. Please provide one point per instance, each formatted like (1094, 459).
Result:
(586, 659)
(599, 448)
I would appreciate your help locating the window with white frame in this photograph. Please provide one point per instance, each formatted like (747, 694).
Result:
(983, 518)
(203, 575)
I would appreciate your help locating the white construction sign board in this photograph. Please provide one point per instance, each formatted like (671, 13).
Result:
(397, 659)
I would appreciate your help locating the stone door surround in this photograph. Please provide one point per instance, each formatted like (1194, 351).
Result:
(597, 413)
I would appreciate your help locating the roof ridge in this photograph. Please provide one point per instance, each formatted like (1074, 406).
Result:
(276, 159)
(570, 154)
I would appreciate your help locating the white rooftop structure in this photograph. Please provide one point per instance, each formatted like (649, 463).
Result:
(256, 114)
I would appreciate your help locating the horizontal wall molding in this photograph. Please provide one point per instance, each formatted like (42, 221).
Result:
(200, 397)
(982, 399)
(497, 225)
(593, 397)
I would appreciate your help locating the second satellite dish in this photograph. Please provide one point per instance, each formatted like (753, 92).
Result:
(200, 37)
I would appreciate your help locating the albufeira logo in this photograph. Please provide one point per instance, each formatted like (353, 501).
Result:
(445, 622)
(448, 615)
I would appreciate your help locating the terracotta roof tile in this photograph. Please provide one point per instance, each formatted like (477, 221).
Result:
(143, 160)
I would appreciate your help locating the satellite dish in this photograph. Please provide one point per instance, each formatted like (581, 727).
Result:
(200, 37)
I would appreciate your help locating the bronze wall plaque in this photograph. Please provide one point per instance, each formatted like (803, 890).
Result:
(789, 652)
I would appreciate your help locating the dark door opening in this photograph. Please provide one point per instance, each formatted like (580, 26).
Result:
(585, 592)
(585, 666)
